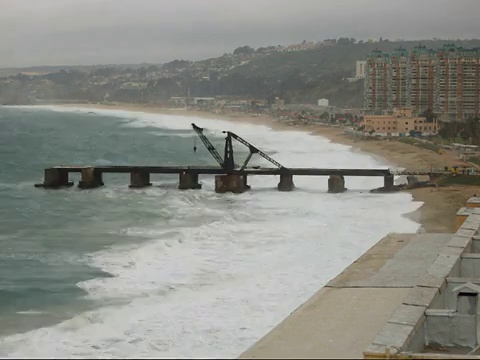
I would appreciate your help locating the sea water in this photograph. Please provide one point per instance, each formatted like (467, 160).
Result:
(158, 272)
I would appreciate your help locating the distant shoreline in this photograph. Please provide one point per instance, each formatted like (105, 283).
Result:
(440, 205)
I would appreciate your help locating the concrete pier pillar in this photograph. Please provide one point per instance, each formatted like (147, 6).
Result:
(91, 178)
(54, 178)
(388, 182)
(188, 181)
(139, 179)
(286, 183)
(231, 183)
(336, 184)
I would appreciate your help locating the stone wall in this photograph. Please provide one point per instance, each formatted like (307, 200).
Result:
(441, 315)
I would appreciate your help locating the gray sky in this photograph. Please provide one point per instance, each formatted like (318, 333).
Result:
(67, 32)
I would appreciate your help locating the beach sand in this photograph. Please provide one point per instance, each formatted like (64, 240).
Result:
(437, 214)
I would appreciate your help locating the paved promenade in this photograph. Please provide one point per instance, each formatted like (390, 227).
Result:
(342, 319)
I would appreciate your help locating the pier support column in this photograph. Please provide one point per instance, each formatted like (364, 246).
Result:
(231, 183)
(388, 182)
(188, 181)
(139, 179)
(55, 178)
(286, 183)
(336, 184)
(91, 178)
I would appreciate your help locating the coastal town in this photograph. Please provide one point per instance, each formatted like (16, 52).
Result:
(415, 105)
(401, 93)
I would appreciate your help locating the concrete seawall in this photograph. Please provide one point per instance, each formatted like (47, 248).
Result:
(390, 302)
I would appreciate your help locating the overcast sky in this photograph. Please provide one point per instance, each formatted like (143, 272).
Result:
(68, 32)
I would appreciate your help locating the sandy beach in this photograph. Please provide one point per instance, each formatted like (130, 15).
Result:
(437, 214)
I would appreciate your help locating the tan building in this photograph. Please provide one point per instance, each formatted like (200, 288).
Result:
(400, 122)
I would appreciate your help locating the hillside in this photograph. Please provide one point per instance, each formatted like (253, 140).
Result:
(292, 73)
(305, 76)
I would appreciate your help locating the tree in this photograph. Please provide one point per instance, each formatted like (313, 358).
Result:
(152, 68)
(429, 115)
(142, 72)
(343, 41)
(107, 71)
(243, 50)
(464, 135)
(472, 129)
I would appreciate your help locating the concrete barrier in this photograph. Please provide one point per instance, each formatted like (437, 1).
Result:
(440, 318)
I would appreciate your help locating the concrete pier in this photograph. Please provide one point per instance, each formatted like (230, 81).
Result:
(55, 178)
(388, 182)
(91, 178)
(228, 180)
(188, 181)
(286, 183)
(139, 179)
(336, 184)
(231, 183)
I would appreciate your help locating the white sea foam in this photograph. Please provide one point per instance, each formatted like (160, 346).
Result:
(228, 268)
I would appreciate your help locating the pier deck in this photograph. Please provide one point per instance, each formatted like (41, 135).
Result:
(226, 180)
(216, 170)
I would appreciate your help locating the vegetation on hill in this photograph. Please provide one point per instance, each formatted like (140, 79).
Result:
(297, 74)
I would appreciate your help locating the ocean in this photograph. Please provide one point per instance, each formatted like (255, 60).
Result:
(159, 272)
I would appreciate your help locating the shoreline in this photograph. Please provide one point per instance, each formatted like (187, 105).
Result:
(439, 205)
(372, 304)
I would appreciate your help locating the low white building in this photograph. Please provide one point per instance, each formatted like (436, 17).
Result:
(322, 102)
(360, 70)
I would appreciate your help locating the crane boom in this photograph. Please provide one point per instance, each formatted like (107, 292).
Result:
(253, 150)
(228, 162)
(208, 144)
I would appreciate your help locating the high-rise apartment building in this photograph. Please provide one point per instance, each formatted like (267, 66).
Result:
(422, 79)
(446, 81)
(398, 80)
(376, 75)
(458, 82)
